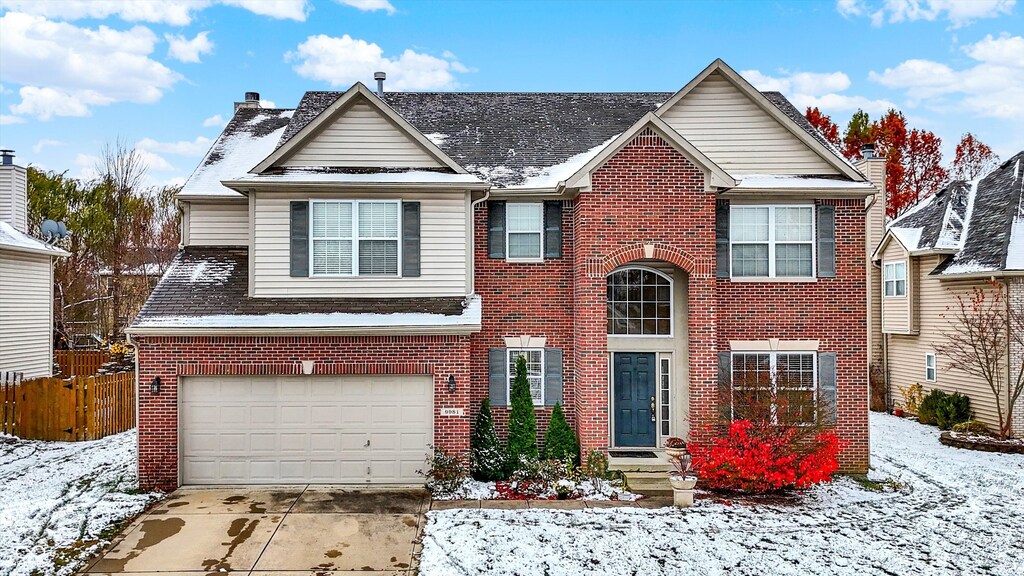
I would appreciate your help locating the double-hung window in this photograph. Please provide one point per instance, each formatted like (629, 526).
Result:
(929, 366)
(778, 387)
(534, 371)
(525, 230)
(772, 241)
(894, 275)
(355, 238)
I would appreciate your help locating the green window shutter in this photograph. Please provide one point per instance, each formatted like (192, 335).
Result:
(497, 360)
(826, 241)
(827, 387)
(722, 239)
(496, 229)
(552, 376)
(725, 386)
(552, 229)
(410, 239)
(299, 237)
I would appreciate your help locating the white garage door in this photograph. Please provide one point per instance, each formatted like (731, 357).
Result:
(304, 429)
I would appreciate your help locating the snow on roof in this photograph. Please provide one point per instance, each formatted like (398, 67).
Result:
(550, 176)
(909, 237)
(470, 317)
(13, 239)
(250, 136)
(776, 181)
(314, 175)
(1015, 247)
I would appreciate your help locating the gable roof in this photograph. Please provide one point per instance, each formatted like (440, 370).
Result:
(980, 223)
(786, 118)
(250, 135)
(293, 140)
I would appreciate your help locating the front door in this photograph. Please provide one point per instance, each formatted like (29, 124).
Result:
(633, 377)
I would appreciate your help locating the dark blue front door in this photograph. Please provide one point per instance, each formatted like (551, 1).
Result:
(633, 384)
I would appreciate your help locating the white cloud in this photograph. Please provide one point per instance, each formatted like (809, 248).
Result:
(215, 120)
(6, 119)
(45, 143)
(65, 69)
(369, 5)
(805, 89)
(959, 13)
(268, 104)
(172, 12)
(194, 148)
(184, 50)
(87, 166)
(153, 162)
(993, 87)
(346, 60)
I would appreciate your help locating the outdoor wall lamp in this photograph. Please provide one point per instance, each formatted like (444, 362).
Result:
(451, 383)
(154, 386)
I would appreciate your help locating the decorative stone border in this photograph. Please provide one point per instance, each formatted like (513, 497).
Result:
(982, 443)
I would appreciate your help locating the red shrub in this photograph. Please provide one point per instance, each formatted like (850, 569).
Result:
(763, 458)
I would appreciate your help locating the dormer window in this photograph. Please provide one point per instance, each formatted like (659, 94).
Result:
(355, 238)
(895, 278)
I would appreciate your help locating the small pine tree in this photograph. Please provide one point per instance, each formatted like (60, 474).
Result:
(522, 422)
(560, 442)
(487, 459)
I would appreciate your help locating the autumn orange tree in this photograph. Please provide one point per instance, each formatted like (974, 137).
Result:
(824, 125)
(973, 158)
(923, 172)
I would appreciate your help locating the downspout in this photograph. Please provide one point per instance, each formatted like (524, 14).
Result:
(472, 236)
(1009, 358)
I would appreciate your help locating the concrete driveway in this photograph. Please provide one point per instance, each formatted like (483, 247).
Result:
(288, 531)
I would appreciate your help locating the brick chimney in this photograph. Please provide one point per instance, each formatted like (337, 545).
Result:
(873, 167)
(13, 192)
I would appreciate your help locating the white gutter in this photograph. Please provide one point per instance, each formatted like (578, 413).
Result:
(454, 329)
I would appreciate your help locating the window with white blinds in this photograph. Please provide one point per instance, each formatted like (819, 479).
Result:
(355, 237)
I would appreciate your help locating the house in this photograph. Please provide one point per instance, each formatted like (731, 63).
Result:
(359, 272)
(26, 281)
(960, 239)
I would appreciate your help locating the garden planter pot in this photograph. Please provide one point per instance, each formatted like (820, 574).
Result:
(682, 483)
(675, 452)
(897, 412)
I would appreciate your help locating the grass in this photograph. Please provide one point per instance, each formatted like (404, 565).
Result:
(884, 485)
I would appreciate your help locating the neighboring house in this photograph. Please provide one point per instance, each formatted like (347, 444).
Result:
(963, 237)
(26, 281)
(360, 272)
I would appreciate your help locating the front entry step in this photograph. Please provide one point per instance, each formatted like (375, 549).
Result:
(647, 476)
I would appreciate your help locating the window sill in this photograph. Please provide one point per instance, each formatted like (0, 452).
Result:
(783, 279)
(524, 260)
(353, 277)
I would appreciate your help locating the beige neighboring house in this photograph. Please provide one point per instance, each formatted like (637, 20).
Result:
(965, 236)
(26, 281)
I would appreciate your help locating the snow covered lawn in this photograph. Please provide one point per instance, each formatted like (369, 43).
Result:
(59, 501)
(957, 512)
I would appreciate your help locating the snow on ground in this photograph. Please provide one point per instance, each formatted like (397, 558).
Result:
(958, 512)
(58, 500)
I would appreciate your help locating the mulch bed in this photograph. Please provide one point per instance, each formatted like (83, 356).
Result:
(982, 443)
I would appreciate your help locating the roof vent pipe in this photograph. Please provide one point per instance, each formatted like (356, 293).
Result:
(6, 157)
(867, 151)
(380, 77)
(252, 96)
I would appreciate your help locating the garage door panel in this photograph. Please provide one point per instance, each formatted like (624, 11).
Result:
(298, 429)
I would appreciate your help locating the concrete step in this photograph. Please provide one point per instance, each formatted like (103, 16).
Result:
(658, 464)
(649, 483)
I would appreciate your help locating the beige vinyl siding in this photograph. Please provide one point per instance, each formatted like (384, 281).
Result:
(896, 310)
(13, 199)
(443, 253)
(739, 135)
(361, 137)
(26, 311)
(906, 353)
(218, 224)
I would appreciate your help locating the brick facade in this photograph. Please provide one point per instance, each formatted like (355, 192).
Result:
(170, 357)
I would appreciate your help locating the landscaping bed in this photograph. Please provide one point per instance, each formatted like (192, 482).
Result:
(982, 443)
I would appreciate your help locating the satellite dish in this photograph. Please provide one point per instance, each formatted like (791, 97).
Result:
(51, 230)
(63, 230)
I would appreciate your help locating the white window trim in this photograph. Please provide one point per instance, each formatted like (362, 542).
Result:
(511, 374)
(773, 357)
(508, 233)
(772, 242)
(671, 303)
(895, 280)
(355, 237)
(933, 367)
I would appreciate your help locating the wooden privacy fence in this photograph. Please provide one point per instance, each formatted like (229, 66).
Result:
(79, 408)
(80, 362)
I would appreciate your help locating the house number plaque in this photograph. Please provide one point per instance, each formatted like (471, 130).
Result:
(453, 411)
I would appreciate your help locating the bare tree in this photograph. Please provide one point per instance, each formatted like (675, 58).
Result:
(982, 328)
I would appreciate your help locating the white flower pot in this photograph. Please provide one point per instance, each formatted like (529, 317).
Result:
(675, 452)
(682, 483)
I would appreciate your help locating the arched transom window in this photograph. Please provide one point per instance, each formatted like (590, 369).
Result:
(639, 303)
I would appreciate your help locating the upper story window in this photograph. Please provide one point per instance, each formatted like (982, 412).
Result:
(772, 241)
(639, 303)
(534, 371)
(525, 230)
(354, 238)
(894, 276)
(929, 366)
(783, 383)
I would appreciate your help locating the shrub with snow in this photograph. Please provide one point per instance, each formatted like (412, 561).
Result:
(486, 457)
(560, 442)
(522, 422)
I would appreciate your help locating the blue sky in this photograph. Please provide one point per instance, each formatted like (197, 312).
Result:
(163, 73)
